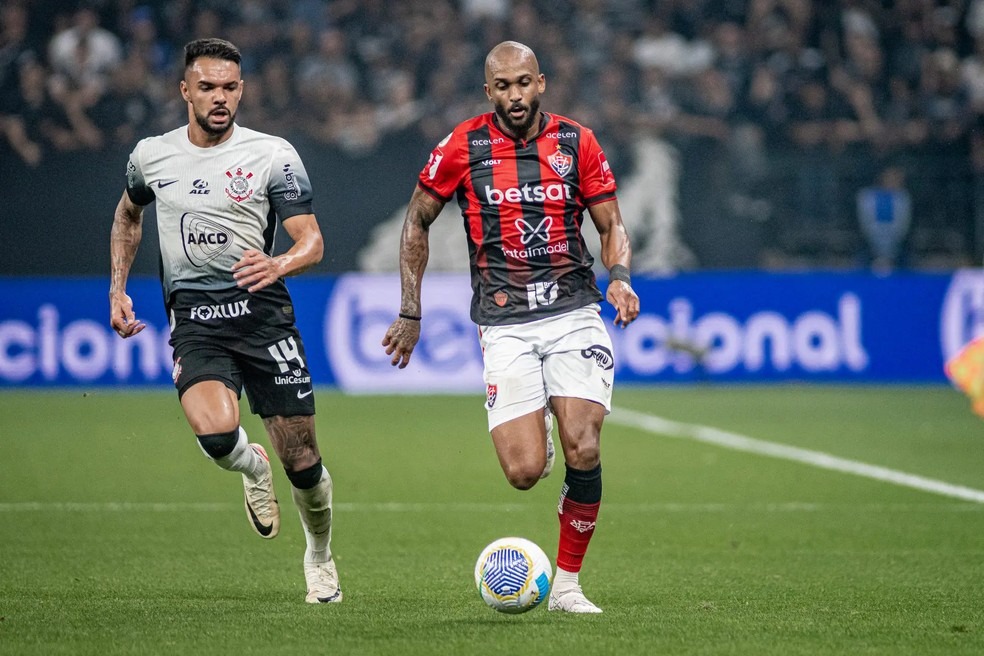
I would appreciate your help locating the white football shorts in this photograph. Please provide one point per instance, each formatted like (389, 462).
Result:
(566, 355)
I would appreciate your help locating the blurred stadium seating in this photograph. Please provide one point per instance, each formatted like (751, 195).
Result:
(742, 131)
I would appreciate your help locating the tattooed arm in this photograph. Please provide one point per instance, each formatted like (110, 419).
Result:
(124, 241)
(402, 336)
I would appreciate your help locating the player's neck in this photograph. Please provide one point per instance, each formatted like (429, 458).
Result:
(202, 139)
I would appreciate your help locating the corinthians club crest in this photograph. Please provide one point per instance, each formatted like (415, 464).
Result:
(239, 188)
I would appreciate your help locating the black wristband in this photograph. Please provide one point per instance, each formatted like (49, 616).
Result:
(620, 272)
(409, 317)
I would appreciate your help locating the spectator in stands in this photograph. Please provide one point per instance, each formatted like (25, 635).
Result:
(14, 52)
(82, 58)
(885, 215)
(658, 47)
(811, 132)
(823, 93)
(126, 111)
(943, 203)
(144, 41)
(15, 48)
(273, 101)
(398, 109)
(46, 122)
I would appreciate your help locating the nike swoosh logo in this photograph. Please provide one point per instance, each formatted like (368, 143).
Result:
(161, 184)
(260, 528)
(327, 528)
(301, 394)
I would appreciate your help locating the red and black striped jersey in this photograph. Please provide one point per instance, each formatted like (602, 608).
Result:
(523, 204)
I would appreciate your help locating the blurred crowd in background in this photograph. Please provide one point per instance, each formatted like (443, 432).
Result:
(820, 133)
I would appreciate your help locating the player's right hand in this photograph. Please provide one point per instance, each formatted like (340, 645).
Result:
(400, 340)
(121, 316)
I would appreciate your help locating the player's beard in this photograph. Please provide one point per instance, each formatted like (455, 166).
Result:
(519, 129)
(210, 129)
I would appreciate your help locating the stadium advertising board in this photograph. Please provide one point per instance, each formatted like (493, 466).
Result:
(728, 327)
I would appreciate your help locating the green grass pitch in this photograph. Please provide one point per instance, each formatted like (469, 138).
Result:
(118, 537)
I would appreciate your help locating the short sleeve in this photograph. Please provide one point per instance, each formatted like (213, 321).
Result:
(290, 190)
(597, 180)
(444, 169)
(137, 188)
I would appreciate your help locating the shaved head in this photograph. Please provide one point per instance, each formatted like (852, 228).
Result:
(510, 54)
(513, 84)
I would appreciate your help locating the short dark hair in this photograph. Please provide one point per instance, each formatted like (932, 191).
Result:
(212, 48)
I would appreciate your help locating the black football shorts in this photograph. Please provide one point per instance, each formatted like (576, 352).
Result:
(246, 341)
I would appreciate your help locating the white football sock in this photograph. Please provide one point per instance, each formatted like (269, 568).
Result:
(242, 459)
(565, 580)
(314, 507)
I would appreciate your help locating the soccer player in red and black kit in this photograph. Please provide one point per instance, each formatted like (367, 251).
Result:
(523, 180)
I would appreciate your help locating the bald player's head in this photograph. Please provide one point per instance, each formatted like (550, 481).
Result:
(513, 84)
(509, 54)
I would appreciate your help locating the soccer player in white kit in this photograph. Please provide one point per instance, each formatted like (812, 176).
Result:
(220, 188)
(523, 179)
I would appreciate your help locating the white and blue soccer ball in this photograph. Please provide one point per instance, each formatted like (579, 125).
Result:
(513, 575)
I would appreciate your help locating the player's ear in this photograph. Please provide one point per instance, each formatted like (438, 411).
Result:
(542, 83)
(184, 90)
(488, 93)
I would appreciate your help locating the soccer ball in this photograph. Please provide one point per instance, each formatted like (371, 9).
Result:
(513, 575)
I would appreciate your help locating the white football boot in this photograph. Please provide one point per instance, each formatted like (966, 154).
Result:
(322, 583)
(551, 451)
(262, 507)
(571, 600)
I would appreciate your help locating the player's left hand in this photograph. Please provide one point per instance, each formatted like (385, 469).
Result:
(625, 301)
(256, 270)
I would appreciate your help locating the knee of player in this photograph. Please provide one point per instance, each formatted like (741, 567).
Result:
(218, 445)
(582, 453)
(214, 425)
(523, 476)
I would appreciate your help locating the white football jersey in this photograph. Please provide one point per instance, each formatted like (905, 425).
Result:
(214, 203)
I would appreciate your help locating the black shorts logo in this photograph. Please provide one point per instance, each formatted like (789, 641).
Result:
(601, 355)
